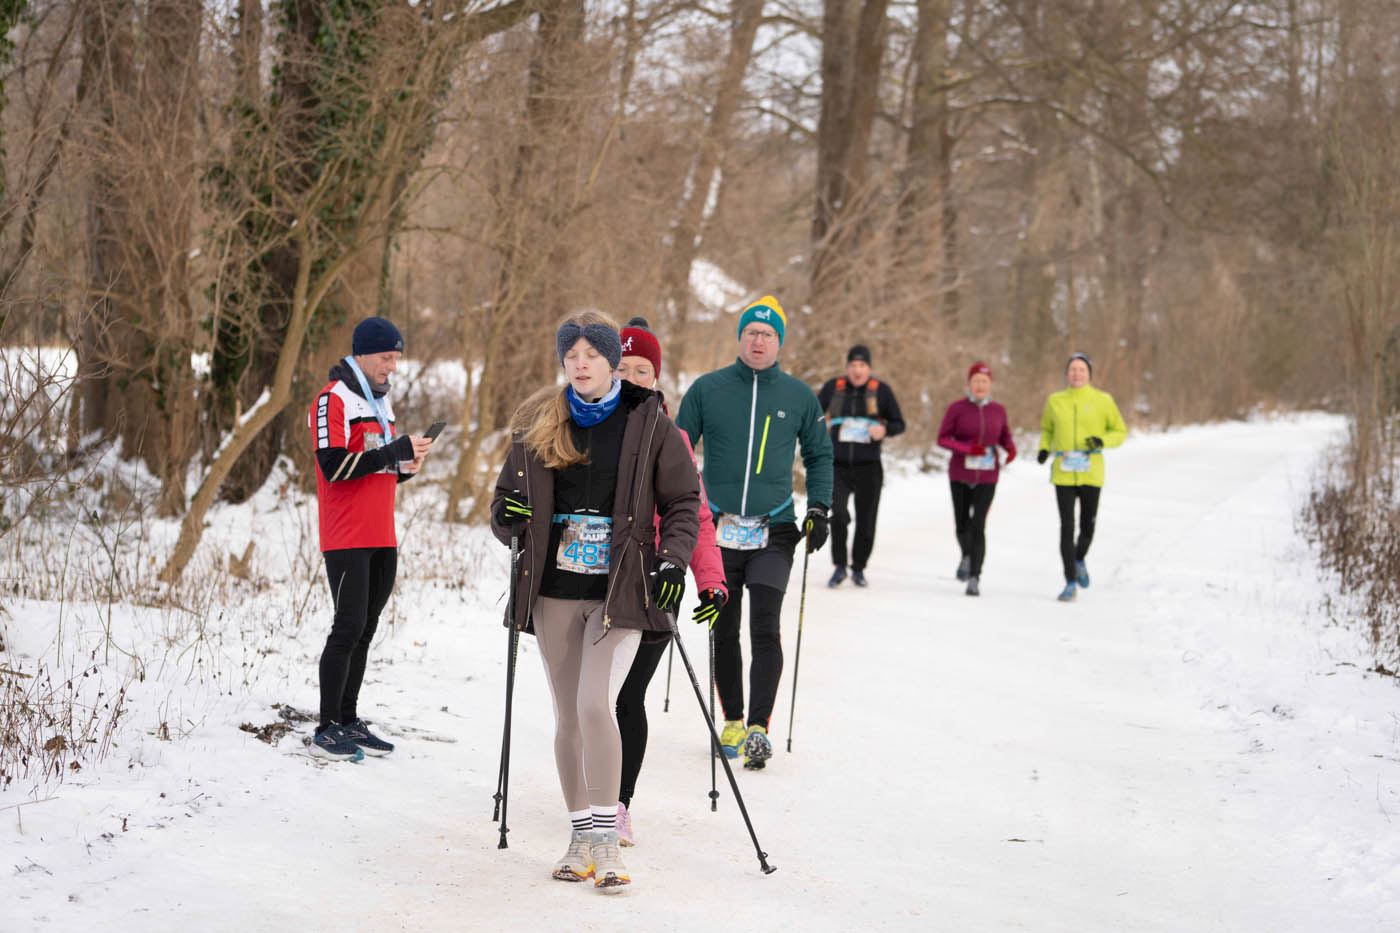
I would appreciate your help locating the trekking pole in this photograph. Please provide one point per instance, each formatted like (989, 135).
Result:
(510, 661)
(512, 644)
(670, 656)
(801, 611)
(714, 792)
(715, 749)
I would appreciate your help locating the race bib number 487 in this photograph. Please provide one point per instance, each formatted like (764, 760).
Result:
(586, 545)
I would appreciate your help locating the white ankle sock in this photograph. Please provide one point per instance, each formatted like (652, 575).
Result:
(582, 820)
(604, 818)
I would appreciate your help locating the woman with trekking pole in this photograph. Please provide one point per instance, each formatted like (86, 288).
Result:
(641, 365)
(590, 466)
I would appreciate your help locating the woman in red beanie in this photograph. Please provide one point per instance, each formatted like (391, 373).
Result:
(641, 365)
(973, 428)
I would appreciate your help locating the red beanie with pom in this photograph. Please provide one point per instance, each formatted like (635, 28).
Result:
(974, 369)
(637, 340)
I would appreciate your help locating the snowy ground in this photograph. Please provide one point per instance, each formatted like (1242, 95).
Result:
(1188, 747)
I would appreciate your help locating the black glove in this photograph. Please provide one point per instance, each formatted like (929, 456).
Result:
(1094, 444)
(1042, 456)
(711, 602)
(667, 586)
(513, 510)
(401, 447)
(815, 528)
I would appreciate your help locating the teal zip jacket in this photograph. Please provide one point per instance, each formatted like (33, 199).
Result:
(756, 419)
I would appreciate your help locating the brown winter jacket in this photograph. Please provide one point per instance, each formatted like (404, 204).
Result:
(655, 475)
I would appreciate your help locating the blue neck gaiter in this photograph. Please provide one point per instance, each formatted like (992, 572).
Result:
(587, 414)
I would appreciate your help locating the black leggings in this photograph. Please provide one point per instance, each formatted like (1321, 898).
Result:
(361, 581)
(632, 714)
(970, 507)
(1088, 499)
(765, 640)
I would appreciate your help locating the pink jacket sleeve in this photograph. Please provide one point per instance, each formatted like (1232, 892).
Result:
(706, 564)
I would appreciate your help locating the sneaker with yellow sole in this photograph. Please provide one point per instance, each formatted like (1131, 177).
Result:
(731, 740)
(577, 863)
(609, 874)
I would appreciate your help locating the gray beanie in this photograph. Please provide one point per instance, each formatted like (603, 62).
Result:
(604, 339)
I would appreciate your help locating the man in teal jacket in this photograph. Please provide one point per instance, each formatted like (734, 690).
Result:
(750, 417)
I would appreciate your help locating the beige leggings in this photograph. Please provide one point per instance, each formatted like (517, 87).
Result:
(585, 674)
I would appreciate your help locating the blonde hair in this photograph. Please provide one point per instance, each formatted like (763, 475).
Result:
(543, 418)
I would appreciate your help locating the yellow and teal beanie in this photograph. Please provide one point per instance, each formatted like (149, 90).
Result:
(765, 310)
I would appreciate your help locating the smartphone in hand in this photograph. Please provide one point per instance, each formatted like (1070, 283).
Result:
(436, 429)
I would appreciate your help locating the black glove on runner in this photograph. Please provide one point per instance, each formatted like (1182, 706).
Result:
(711, 602)
(1094, 444)
(667, 586)
(514, 510)
(815, 527)
(1042, 456)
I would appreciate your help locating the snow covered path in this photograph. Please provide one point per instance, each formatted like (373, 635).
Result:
(1185, 748)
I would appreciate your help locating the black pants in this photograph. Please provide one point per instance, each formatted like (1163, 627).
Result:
(765, 573)
(766, 643)
(361, 581)
(632, 713)
(971, 503)
(864, 480)
(1088, 499)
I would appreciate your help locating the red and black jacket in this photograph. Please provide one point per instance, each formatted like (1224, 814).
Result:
(356, 470)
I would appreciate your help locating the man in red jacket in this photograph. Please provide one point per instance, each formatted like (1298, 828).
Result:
(360, 460)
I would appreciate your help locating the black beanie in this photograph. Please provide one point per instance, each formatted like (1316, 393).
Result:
(858, 352)
(1081, 356)
(376, 335)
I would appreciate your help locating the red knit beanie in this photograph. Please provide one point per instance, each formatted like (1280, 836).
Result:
(638, 340)
(974, 369)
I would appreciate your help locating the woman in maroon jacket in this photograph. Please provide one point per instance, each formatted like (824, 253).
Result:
(973, 428)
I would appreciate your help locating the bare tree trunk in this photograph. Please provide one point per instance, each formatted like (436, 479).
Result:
(278, 397)
(927, 213)
(536, 256)
(853, 46)
(171, 79)
(105, 82)
(687, 228)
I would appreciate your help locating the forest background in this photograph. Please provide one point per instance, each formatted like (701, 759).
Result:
(200, 200)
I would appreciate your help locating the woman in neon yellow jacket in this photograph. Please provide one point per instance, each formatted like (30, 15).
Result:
(1078, 423)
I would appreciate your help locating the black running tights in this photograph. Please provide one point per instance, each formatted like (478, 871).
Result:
(361, 581)
(632, 714)
(970, 507)
(765, 640)
(1088, 499)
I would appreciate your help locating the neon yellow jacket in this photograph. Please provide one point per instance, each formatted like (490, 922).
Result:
(1070, 417)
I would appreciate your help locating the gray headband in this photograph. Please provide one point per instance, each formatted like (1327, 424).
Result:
(604, 339)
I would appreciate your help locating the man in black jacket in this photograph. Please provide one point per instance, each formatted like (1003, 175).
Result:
(862, 412)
